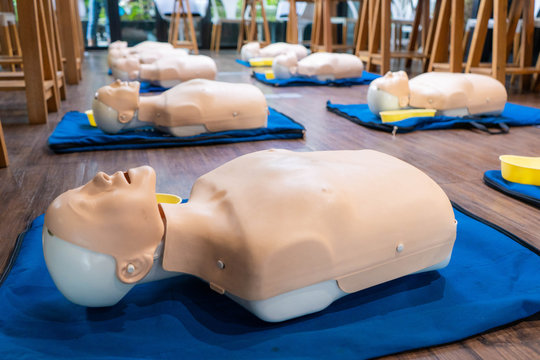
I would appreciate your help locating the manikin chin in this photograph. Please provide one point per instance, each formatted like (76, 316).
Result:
(281, 233)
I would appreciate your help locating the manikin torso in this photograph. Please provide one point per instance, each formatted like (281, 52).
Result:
(253, 50)
(190, 108)
(451, 94)
(167, 71)
(119, 49)
(282, 233)
(321, 65)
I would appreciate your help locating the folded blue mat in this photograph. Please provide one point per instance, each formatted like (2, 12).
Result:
(74, 133)
(366, 79)
(242, 62)
(512, 115)
(527, 193)
(491, 280)
(147, 87)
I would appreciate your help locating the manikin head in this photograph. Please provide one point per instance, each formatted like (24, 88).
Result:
(114, 105)
(126, 68)
(102, 238)
(390, 92)
(285, 66)
(250, 50)
(118, 45)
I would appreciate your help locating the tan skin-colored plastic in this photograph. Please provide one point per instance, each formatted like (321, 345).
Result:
(84, 216)
(276, 49)
(337, 66)
(274, 221)
(119, 49)
(395, 83)
(121, 96)
(443, 91)
(181, 68)
(217, 105)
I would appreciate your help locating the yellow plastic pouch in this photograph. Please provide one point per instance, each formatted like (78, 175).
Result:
(521, 169)
(269, 75)
(168, 198)
(397, 115)
(91, 120)
(261, 61)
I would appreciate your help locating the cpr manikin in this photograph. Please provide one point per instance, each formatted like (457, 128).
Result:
(451, 94)
(253, 50)
(146, 51)
(167, 71)
(282, 233)
(320, 65)
(191, 108)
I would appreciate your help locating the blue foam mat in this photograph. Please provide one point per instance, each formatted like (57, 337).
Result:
(366, 79)
(245, 63)
(74, 133)
(527, 193)
(512, 115)
(491, 280)
(147, 87)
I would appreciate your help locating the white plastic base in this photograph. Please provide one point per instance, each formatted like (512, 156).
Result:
(89, 279)
(307, 300)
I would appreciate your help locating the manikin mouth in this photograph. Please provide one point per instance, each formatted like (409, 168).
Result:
(126, 175)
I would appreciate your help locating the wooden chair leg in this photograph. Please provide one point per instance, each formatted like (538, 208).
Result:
(479, 34)
(292, 24)
(4, 160)
(193, 35)
(241, 32)
(218, 38)
(440, 39)
(70, 40)
(213, 38)
(266, 27)
(33, 68)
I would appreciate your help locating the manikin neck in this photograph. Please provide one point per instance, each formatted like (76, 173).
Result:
(150, 108)
(179, 220)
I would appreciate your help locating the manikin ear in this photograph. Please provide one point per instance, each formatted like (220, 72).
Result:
(403, 101)
(126, 116)
(132, 270)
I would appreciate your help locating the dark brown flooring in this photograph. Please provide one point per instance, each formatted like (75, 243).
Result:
(456, 159)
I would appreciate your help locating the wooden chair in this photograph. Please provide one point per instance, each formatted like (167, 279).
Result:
(374, 34)
(39, 78)
(504, 36)
(249, 34)
(446, 51)
(322, 33)
(229, 7)
(182, 11)
(10, 45)
(72, 45)
(4, 160)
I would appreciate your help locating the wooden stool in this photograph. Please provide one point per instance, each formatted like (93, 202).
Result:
(9, 37)
(504, 35)
(448, 29)
(322, 30)
(179, 11)
(40, 75)
(4, 160)
(70, 28)
(374, 33)
(246, 34)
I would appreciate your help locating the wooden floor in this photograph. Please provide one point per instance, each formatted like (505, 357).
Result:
(456, 159)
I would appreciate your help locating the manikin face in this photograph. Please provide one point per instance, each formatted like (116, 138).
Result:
(113, 222)
(114, 105)
(390, 92)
